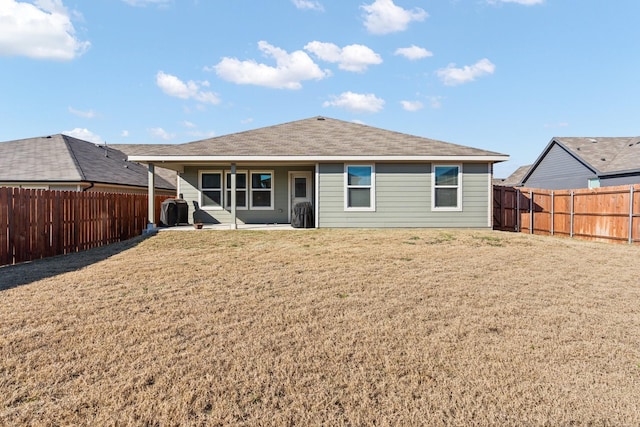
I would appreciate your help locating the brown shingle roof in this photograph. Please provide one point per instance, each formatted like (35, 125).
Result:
(62, 158)
(605, 154)
(315, 137)
(133, 149)
(515, 178)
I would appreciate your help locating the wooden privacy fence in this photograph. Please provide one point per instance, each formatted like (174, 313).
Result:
(607, 213)
(40, 223)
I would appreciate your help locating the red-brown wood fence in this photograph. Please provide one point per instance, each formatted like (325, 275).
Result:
(606, 214)
(36, 224)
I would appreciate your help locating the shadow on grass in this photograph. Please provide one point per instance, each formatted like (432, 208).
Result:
(12, 276)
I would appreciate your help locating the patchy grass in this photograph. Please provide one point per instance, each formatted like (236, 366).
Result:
(324, 327)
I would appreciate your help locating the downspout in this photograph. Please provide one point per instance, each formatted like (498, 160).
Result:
(91, 184)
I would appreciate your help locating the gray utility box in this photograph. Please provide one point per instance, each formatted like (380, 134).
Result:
(174, 212)
(302, 216)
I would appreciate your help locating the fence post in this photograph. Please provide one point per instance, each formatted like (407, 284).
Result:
(571, 208)
(552, 212)
(631, 192)
(531, 212)
(518, 210)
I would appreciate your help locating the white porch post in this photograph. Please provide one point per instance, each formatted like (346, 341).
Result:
(151, 195)
(234, 223)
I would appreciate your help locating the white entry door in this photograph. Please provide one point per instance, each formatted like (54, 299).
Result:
(299, 189)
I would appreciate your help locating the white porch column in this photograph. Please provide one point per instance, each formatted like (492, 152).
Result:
(234, 224)
(151, 195)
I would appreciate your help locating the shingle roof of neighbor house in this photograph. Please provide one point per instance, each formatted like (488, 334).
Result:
(605, 154)
(131, 149)
(62, 158)
(513, 179)
(313, 138)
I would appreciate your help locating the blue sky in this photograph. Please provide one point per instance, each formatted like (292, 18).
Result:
(502, 75)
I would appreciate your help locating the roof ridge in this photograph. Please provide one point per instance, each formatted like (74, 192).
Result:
(83, 176)
(254, 129)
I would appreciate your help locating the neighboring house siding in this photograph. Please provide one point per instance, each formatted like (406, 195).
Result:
(620, 180)
(559, 170)
(189, 188)
(403, 198)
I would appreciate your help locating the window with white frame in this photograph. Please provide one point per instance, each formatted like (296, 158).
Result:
(359, 187)
(241, 190)
(446, 185)
(211, 189)
(261, 191)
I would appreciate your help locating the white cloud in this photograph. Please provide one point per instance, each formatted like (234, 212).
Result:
(86, 114)
(84, 134)
(355, 57)
(290, 70)
(383, 17)
(452, 76)
(124, 133)
(161, 134)
(188, 124)
(412, 105)
(356, 102)
(42, 30)
(308, 4)
(523, 2)
(414, 52)
(173, 86)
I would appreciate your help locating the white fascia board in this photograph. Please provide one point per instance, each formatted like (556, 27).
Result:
(160, 159)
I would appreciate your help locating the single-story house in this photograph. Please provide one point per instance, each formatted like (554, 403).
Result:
(572, 162)
(61, 162)
(353, 176)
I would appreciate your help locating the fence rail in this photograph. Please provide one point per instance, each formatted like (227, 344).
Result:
(605, 214)
(36, 224)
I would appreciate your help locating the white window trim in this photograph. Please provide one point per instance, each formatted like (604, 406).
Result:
(200, 190)
(458, 187)
(372, 188)
(227, 203)
(251, 190)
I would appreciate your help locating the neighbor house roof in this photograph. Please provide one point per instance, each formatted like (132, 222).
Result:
(316, 138)
(605, 156)
(515, 178)
(62, 158)
(133, 149)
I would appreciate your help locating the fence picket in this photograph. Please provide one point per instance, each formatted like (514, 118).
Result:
(40, 223)
(606, 214)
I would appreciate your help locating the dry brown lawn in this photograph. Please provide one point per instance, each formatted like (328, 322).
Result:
(324, 327)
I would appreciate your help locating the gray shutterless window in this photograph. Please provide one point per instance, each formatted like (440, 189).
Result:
(241, 190)
(359, 187)
(211, 187)
(446, 187)
(262, 190)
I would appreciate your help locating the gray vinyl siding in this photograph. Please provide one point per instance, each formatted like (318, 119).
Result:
(403, 198)
(620, 180)
(189, 188)
(559, 170)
